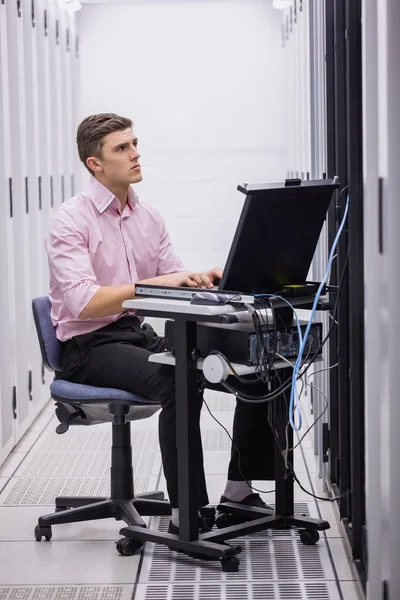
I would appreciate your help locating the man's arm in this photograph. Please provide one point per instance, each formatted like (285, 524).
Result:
(108, 299)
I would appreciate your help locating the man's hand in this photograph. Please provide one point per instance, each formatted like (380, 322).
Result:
(207, 279)
(188, 279)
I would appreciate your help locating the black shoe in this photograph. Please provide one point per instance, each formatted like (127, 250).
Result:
(203, 528)
(207, 513)
(226, 519)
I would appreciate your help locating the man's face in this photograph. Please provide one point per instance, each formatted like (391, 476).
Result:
(119, 163)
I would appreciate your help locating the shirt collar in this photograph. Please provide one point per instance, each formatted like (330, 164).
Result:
(102, 197)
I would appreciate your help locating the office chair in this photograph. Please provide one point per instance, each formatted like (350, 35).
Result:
(80, 404)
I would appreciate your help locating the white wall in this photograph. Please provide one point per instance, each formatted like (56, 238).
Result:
(204, 84)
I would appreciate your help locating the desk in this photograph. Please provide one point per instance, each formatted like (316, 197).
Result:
(210, 545)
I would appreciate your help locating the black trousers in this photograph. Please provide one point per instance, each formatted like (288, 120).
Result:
(117, 356)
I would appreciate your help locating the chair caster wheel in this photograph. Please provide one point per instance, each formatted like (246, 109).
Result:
(230, 565)
(42, 531)
(61, 508)
(128, 546)
(309, 537)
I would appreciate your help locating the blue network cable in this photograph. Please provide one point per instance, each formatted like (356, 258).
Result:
(303, 339)
(300, 345)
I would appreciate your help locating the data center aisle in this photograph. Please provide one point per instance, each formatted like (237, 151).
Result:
(81, 562)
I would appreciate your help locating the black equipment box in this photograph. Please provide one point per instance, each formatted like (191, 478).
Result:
(240, 344)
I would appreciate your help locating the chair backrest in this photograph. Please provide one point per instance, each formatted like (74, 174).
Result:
(49, 344)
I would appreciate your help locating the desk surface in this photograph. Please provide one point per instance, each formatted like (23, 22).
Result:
(181, 306)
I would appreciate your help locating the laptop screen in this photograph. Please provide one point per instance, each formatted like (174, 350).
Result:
(276, 236)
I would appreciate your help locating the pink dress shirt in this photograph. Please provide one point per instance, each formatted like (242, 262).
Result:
(91, 244)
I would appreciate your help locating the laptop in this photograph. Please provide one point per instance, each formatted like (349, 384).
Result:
(274, 241)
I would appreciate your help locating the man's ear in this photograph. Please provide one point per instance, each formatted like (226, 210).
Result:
(94, 164)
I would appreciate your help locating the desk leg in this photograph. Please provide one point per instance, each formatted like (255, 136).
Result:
(284, 493)
(186, 384)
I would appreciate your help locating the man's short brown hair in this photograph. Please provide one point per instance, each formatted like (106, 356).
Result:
(92, 131)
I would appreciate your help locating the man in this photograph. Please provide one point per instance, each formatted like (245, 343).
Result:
(100, 244)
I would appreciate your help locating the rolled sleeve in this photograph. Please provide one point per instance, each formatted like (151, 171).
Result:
(168, 260)
(70, 264)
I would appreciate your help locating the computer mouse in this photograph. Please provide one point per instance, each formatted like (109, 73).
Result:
(212, 298)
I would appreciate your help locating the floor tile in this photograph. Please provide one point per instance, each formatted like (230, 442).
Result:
(351, 590)
(17, 525)
(312, 483)
(224, 418)
(324, 510)
(309, 458)
(345, 571)
(46, 416)
(42, 491)
(65, 563)
(216, 485)
(70, 592)
(241, 589)
(27, 442)
(11, 464)
(3, 481)
(216, 462)
(87, 464)
(81, 559)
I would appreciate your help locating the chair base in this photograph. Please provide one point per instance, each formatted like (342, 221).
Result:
(75, 509)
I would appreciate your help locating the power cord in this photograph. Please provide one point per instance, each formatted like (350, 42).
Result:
(284, 453)
(238, 453)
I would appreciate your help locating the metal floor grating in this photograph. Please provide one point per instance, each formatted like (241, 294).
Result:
(82, 440)
(29, 491)
(88, 464)
(271, 556)
(264, 559)
(240, 591)
(67, 592)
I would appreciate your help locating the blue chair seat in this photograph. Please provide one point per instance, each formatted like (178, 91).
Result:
(88, 394)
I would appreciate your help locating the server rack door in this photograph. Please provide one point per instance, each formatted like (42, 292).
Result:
(45, 124)
(374, 258)
(393, 250)
(7, 350)
(69, 89)
(53, 25)
(32, 133)
(15, 49)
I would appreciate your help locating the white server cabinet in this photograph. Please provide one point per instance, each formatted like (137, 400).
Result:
(74, 60)
(44, 82)
(33, 194)
(20, 200)
(56, 141)
(69, 87)
(373, 269)
(7, 350)
(38, 67)
(391, 288)
(381, 110)
(63, 86)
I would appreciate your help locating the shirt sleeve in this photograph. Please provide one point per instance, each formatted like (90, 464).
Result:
(69, 263)
(168, 260)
